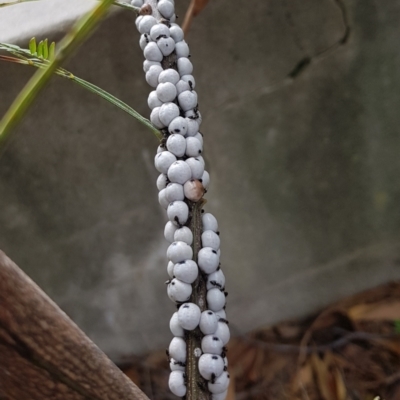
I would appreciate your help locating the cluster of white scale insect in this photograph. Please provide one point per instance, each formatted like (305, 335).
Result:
(183, 181)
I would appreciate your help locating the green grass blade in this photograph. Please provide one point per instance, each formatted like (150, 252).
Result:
(68, 44)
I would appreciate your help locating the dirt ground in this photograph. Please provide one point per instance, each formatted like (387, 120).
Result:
(350, 350)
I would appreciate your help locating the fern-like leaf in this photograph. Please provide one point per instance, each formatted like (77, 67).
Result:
(35, 57)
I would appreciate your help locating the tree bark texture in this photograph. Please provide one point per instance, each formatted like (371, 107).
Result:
(44, 355)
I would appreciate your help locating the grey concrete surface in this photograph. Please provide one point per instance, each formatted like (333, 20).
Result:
(300, 104)
(24, 20)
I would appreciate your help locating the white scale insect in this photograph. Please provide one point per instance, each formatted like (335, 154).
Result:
(178, 213)
(165, 91)
(176, 383)
(173, 192)
(196, 166)
(186, 271)
(208, 322)
(168, 112)
(184, 234)
(211, 366)
(179, 172)
(180, 251)
(179, 125)
(176, 144)
(189, 316)
(183, 179)
(208, 260)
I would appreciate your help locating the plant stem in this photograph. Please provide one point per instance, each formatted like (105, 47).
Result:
(41, 63)
(117, 102)
(196, 384)
(68, 44)
(127, 6)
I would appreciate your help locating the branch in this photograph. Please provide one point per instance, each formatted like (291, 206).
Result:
(44, 354)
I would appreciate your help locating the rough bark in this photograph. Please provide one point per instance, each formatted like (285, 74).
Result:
(43, 354)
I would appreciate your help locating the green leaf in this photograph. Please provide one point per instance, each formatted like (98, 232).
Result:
(23, 58)
(32, 46)
(52, 50)
(46, 49)
(40, 49)
(78, 33)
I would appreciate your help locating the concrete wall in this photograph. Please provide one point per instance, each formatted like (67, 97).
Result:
(300, 103)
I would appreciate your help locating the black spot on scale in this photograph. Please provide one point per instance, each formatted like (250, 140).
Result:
(214, 251)
(214, 357)
(213, 377)
(210, 313)
(215, 338)
(185, 306)
(177, 130)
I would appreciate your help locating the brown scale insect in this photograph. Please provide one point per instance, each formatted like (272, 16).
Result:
(145, 9)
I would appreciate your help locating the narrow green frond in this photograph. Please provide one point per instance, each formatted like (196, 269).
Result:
(40, 49)
(12, 59)
(52, 50)
(71, 40)
(12, 3)
(32, 46)
(119, 103)
(41, 63)
(127, 6)
(46, 49)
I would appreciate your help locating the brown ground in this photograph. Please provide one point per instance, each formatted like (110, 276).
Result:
(350, 350)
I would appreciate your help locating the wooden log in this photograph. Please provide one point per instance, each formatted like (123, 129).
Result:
(44, 355)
